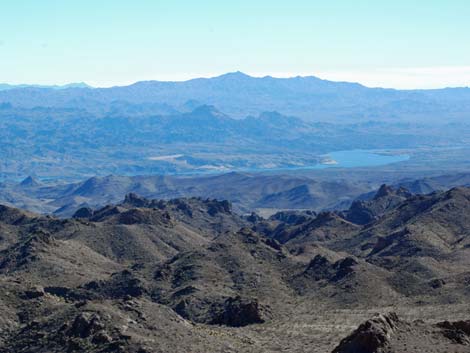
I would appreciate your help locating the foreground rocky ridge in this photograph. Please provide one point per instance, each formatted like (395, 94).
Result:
(191, 275)
(388, 333)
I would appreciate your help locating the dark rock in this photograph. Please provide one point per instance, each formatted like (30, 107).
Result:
(120, 285)
(373, 336)
(437, 283)
(215, 207)
(135, 200)
(237, 312)
(320, 268)
(458, 331)
(34, 292)
(273, 243)
(101, 338)
(84, 212)
(106, 212)
(383, 191)
(85, 325)
(184, 207)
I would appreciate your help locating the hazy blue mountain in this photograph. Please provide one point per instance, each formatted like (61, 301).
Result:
(6, 86)
(233, 122)
(147, 138)
(240, 95)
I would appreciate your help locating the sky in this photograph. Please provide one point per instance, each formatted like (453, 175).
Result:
(395, 43)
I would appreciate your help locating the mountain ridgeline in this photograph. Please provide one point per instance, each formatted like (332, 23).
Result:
(239, 95)
(190, 274)
(248, 192)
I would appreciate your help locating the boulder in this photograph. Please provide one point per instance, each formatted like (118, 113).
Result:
(237, 312)
(373, 336)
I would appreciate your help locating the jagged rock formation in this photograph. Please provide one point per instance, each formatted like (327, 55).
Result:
(373, 336)
(191, 275)
(386, 198)
(389, 334)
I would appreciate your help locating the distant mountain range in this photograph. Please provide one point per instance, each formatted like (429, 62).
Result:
(6, 86)
(130, 139)
(240, 95)
(247, 192)
(233, 122)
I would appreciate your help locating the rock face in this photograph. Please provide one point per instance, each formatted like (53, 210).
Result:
(219, 207)
(373, 336)
(389, 334)
(85, 324)
(232, 311)
(458, 332)
(238, 312)
(135, 200)
(321, 268)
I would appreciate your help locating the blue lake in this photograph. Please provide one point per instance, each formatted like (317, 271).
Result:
(346, 159)
(363, 158)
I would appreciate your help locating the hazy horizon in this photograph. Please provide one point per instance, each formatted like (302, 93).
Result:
(371, 80)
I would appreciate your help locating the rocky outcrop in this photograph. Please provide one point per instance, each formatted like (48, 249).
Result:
(84, 212)
(135, 200)
(214, 207)
(85, 325)
(373, 336)
(293, 217)
(458, 331)
(34, 292)
(238, 312)
(123, 284)
(25, 252)
(363, 212)
(389, 334)
(13, 216)
(320, 268)
(232, 311)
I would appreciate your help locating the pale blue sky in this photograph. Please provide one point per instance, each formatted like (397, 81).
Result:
(420, 43)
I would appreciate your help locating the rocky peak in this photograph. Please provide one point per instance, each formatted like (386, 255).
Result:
(29, 182)
(384, 190)
(135, 200)
(84, 212)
